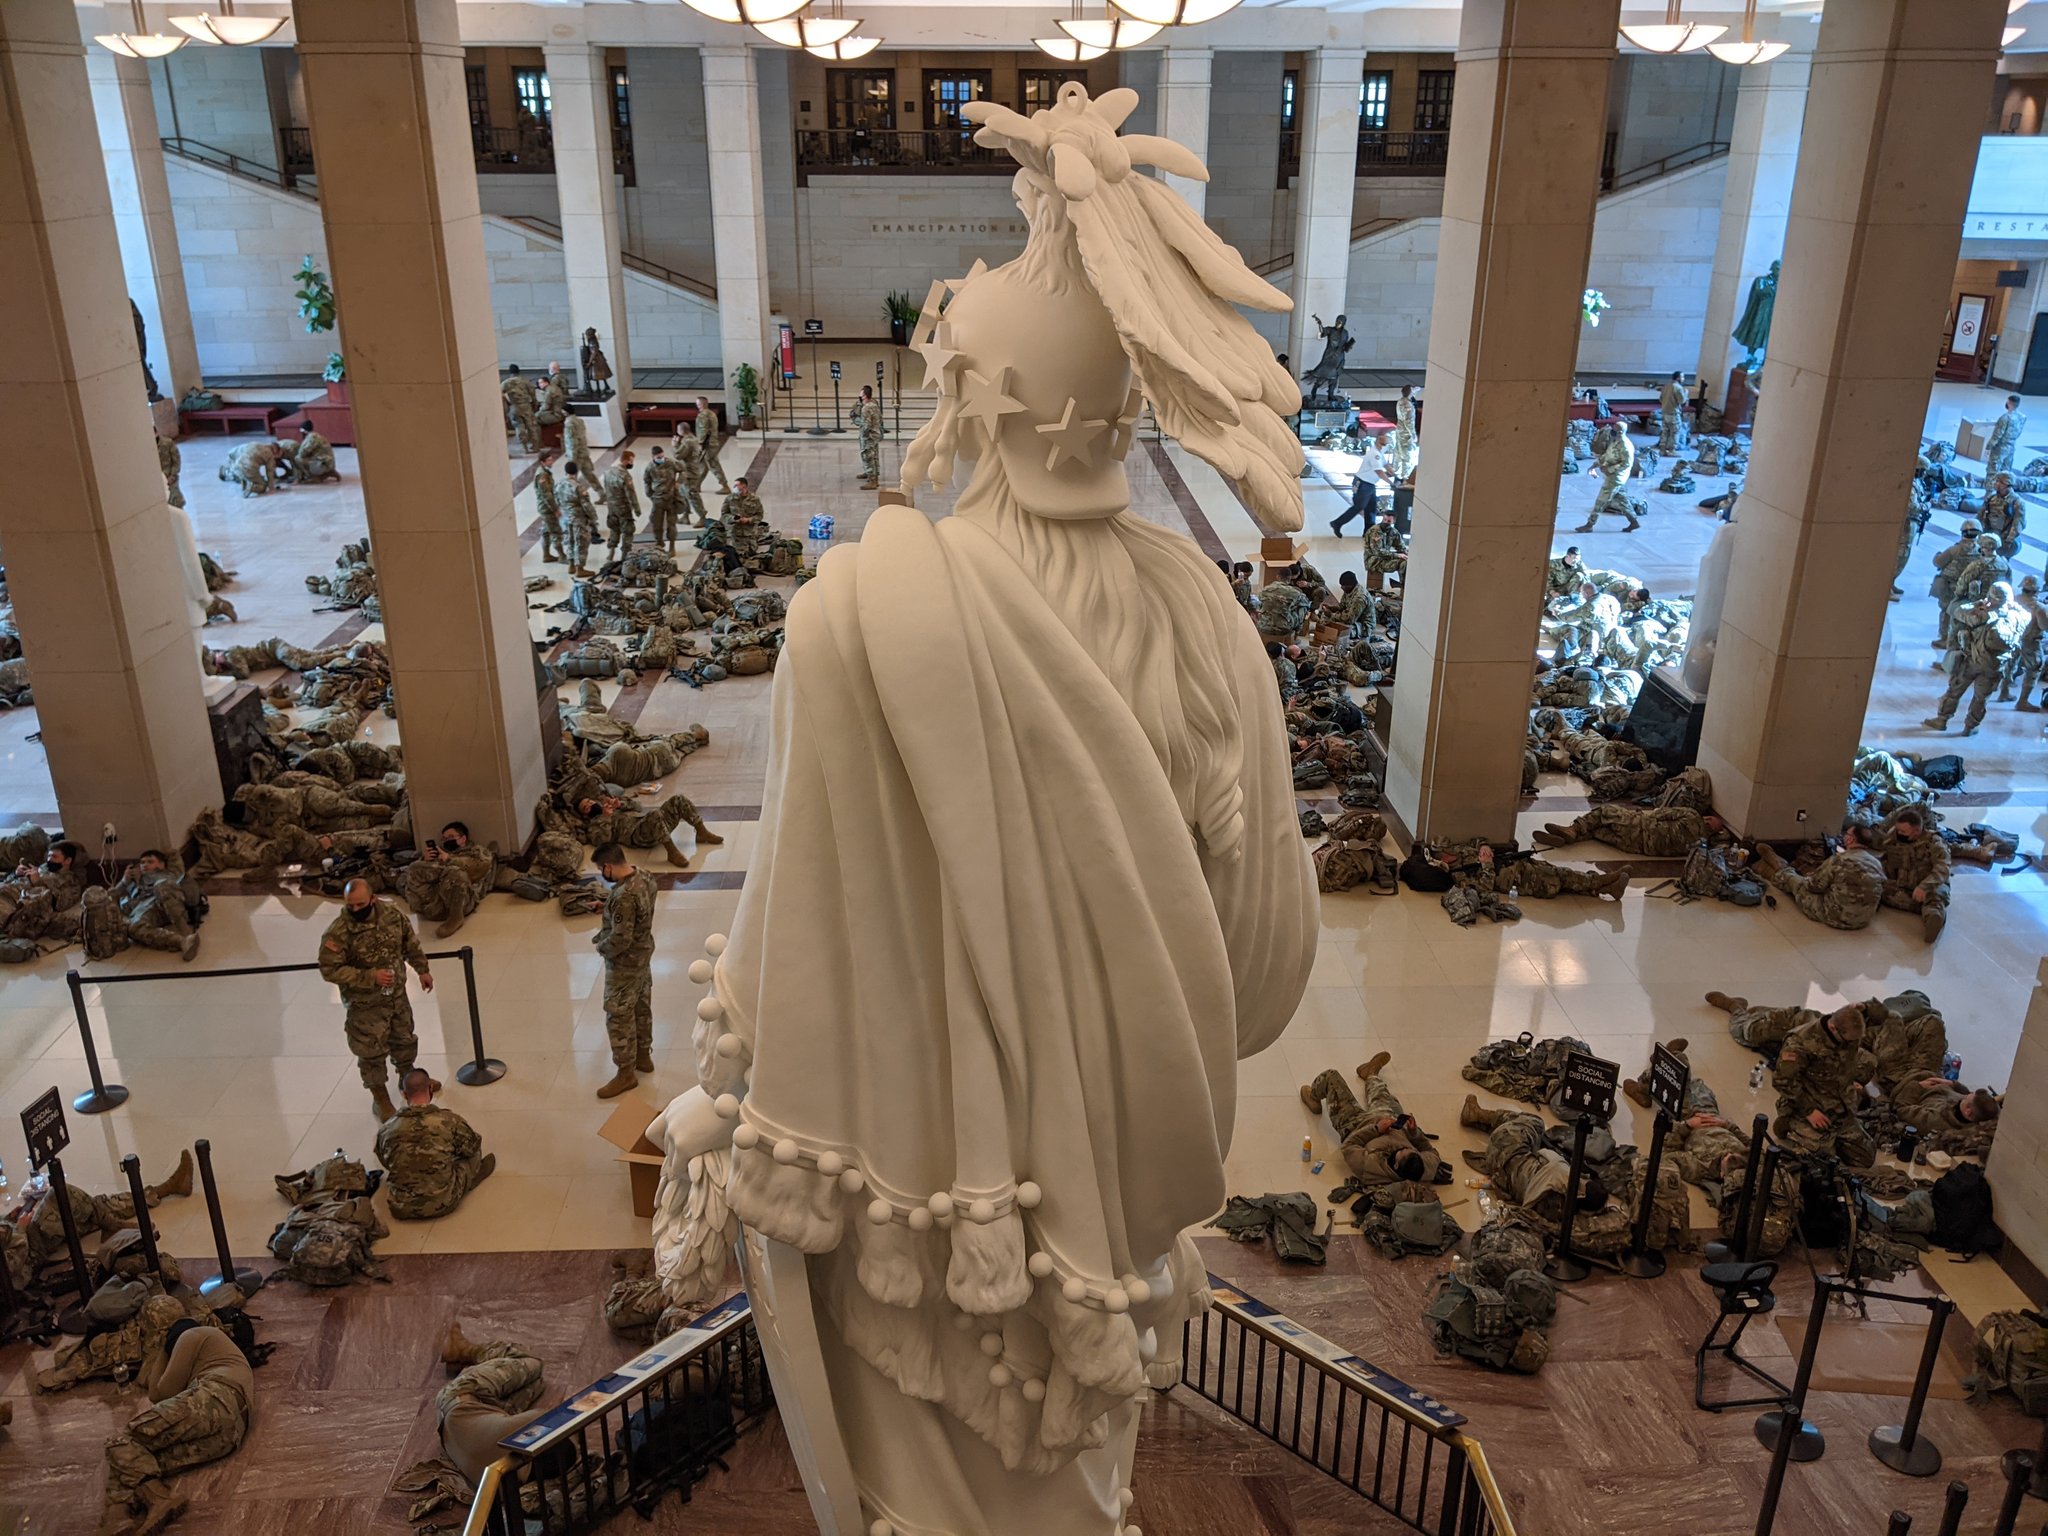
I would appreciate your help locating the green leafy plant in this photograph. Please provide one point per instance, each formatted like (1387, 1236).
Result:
(746, 383)
(316, 308)
(901, 307)
(1592, 304)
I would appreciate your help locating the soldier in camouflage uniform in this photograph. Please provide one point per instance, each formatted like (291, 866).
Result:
(691, 468)
(581, 518)
(705, 429)
(96, 1215)
(2005, 436)
(550, 509)
(867, 416)
(1906, 1037)
(1986, 632)
(1380, 1141)
(114, 1353)
(554, 398)
(312, 457)
(201, 1392)
(2025, 663)
(490, 1397)
(626, 940)
(1385, 551)
(621, 507)
(1932, 1105)
(1844, 892)
(1615, 458)
(2003, 515)
(1662, 832)
(1283, 609)
(1522, 1164)
(521, 405)
(1950, 563)
(431, 1154)
(1534, 878)
(1982, 570)
(364, 952)
(576, 444)
(450, 878)
(153, 906)
(610, 819)
(253, 467)
(1819, 1083)
(1671, 413)
(664, 499)
(170, 461)
(1916, 869)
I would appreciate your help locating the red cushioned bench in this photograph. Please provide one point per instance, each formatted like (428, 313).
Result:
(667, 417)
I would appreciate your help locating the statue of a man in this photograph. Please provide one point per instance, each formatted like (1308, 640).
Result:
(1324, 379)
(142, 352)
(1753, 330)
(597, 370)
(1029, 881)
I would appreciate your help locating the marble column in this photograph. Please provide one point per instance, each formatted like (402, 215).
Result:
(2017, 1165)
(739, 221)
(1183, 112)
(1763, 150)
(1327, 111)
(590, 221)
(384, 92)
(2024, 308)
(93, 562)
(1870, 253)
(133, 150)
(1517, 229)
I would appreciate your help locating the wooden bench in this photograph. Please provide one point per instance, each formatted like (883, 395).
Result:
(229, 418)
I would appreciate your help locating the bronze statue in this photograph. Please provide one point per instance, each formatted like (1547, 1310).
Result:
(142, 352)
(1323, 379)
(1753, 330)
(597, 371)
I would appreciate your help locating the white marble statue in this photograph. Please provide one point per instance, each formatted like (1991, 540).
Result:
(1028, 883)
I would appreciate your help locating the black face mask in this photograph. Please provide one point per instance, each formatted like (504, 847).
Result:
(361, 914)
(53, 866)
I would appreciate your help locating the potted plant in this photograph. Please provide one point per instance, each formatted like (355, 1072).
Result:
(316, 308)
(746, 383)
(902, 316)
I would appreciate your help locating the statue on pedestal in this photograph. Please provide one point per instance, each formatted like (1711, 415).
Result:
(1324, 380)
(1753, 330)
(1029, 883)
(142, 352)
(597, 370)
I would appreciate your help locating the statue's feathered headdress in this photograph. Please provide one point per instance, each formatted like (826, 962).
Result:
(1169, 285)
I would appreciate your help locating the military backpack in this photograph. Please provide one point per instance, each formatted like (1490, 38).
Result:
(2012, 1353)
(1710, 874)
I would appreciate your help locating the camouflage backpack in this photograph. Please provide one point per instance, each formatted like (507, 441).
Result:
(102, 928)
(2012, 1352)
(1709, 873)
(1499, 1328)
(327, 1242)
(19, 951)
(1508, 1242)
(336, 1175)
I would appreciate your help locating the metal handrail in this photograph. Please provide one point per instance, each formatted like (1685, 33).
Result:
(485, 1503)
(1677, 160)
(547, 229)
(234, 164)
(1359, 232)
(896, 150)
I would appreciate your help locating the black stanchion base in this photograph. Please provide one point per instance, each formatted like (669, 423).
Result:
(1718, 1252)
(247, 1281)
(2037, 1486)
(1647, 1265)
(72, 1320)
(817, 432)
(1921, 1459)
(100, 1100)
(1807, 1442)
(476, 1074)
(1567, 1267)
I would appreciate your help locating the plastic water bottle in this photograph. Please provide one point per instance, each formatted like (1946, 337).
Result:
(1952, 1067)
(1307, 1149)
(1756, 1077)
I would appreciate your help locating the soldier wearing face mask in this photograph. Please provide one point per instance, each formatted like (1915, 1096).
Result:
(36, 900)
(364, 952)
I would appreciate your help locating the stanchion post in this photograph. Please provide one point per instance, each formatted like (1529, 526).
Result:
(131, 1165)
(1738, 1234)
(2018, 1473)
(104, 1095)
(1642, 1261)
(1778, 1426)
(71, 1319)
(244, 1280)
(1901, 1524)
(1901, 1446)
(1564, 1264)
(482, 1070)
(1952, 1509)
(2037, 1485)
(1760, 1205)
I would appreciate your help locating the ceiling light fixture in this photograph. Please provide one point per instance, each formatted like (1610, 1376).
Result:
(1749, 50)
(747, 12)
(1672, 35)
(227, 28)
(1111, 31)
(1176, 13)
(1068, 50)
(846, 48)
(141, 43)
(808, 31)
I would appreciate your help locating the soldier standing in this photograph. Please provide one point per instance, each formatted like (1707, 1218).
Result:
(582, 529)
(1986, 631)
(1614, 457)
(691, 467)
(519, 400)
(621, 506)
(2005, 436)
(1406, 443)
(170, 461)
(867, 415)
(550, 508)
(1948, 564)
(432, 1155)
(2033, 645)
(364, 952)
(705, 427)
(1671, 407)
(2003, 514)
(576, 442)
(626, 940)
(200, 1400)
(664, 499)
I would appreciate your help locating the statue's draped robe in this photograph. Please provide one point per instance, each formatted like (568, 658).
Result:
(979, 945)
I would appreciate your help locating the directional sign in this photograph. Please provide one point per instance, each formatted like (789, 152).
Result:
(878, 372)
(1588, 1085)
(835, 373)
(814, 328)
(42, 1123)
(1669, 1077)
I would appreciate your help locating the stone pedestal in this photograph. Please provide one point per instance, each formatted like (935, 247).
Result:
(93, 560)
(1870, 253)
(1517, 230)
(384, 90)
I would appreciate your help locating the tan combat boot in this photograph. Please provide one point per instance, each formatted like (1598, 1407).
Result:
(1636, 1091)
(1469, 1113)
(705, 835)
(457, 1351)
(189, 950)
(160, 1507)
(676, 856)
(1727, 1004)
(1311, 1098)
(1374, 1065)
(1615, 885)
(644, 1062)
(179, 1183)
(1551, 836)
(621, 1081)
(452, 926)
(380, 1101)
(118, 1519)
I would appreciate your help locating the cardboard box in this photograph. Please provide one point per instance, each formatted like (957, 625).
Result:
(1279, 549)
(627, 1130)
(1972, 438)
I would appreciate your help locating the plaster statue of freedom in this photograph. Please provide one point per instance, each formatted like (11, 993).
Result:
(1029, 884)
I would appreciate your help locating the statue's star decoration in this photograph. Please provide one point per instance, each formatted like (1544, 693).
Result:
(939, 355)
(985, 398)
(955, 284)
(1071, 439)
(1127, 424)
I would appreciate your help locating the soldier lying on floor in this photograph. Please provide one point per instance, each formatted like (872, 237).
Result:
(1380, 1142)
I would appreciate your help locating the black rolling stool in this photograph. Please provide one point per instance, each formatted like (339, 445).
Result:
(1743, 1291)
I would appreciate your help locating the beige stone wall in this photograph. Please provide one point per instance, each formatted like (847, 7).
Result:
(2018, 1164)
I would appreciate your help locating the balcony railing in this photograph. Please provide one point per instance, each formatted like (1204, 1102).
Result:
(1381, 152)
(531, 147)
(830, 150)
